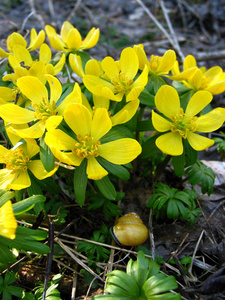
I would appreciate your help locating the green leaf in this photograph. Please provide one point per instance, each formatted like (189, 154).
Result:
(199, 172)
(28, 240)
(80, 182)
(121, 284)
(145, 125)
(158, 284)
(5, 196)
(47, 158)
(27, 204)
(6, 255)
(149, 147)
(147, 99)
(106, 187)
(116, 170)
(178, 164)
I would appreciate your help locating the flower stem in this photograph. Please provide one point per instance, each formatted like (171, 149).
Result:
(161, 167)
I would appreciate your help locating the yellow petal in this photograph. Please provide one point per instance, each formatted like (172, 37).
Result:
(110, 67)
(120, 151)
(74, 39)
(99, 86)
(101, 124)
(214, 73)
(54, 39)
(197, 102)
(6, 177)
(37, 168)
(141, 56)
(52, 122)
(3, 53)
(45, 54)
(65, 30)
(74, 97)
(217, 88)
(160, 123)
(8, 222)
(129, 62)
(36, 39)
(142, 80)
(91, 39)
(170, 143)
(211, 121)
(58, 67)
(60, 140)
(126, 113)
(14, 138)
(134, 93)
(21, 182)
(7, 94)
(55, 88)
(12, 112)
(76, 64)
(38, 70)
(22, 55)
(100, 102)
(189, 62)
(196, 79)
(31, 148)
(199, 142)
(183, 75)
(167, 101)
(93, 67)
(94, 170)
(33, 89)
(35, 131)
(15, 39)
(167, 62)
(3, 152)
(78, 118)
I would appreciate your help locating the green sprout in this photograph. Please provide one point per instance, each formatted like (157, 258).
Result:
(7, 290)
(174, 203)
(93, 251)
(142, 281)
(199, 172)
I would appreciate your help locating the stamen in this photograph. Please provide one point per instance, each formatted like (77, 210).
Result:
(86, 147)
(16, 160)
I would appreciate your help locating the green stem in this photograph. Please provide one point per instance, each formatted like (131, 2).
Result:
(161, 167)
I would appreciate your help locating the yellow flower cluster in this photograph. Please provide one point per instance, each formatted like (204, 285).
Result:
(76, 121)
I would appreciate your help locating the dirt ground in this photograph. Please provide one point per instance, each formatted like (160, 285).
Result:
(199, 29)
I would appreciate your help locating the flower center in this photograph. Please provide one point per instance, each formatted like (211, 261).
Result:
(85, 147)
(121, 83)
(154, 63)
(205, 82)
(183, 124)
(44, 110)
(16, 160)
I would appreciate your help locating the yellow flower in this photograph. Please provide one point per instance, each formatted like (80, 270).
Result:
(18, 161)
(17, 39)
(89, 130)
(70, 39)
(118, 80)
(44, 108)
(38, 69)
(212, 80)
(92, 67)
(157, 65)
(22, 58)
(8, 222)
(178, 125)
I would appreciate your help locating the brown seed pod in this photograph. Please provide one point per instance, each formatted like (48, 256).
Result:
(129, 230)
